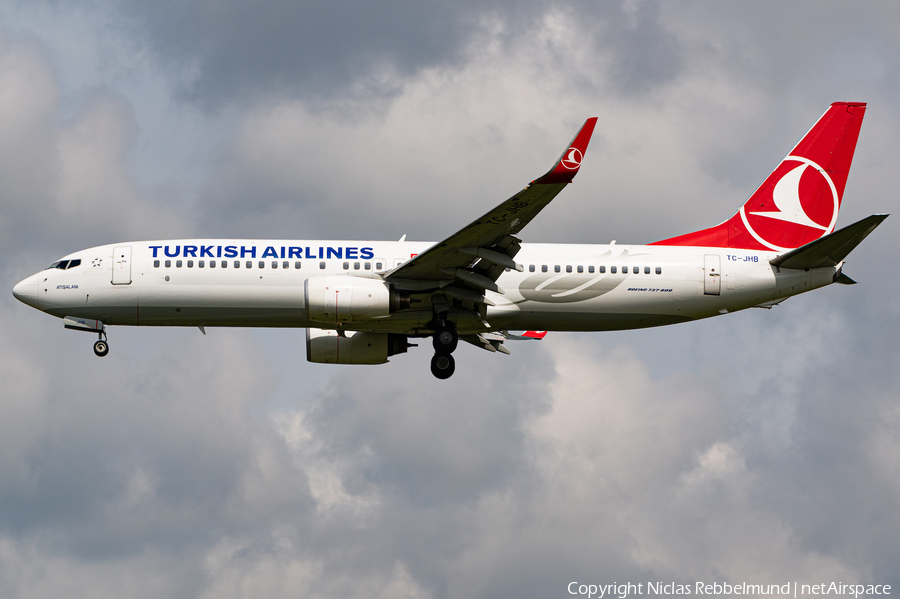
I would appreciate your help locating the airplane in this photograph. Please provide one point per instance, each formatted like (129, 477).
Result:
(362, 302)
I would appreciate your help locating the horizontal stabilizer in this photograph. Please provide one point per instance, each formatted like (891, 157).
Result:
(843, 279)
(831, 249)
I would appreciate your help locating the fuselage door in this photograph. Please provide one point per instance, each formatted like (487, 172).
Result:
(712, 274)
(122, 265)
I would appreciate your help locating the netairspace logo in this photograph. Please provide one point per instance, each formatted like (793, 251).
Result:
(791, 589)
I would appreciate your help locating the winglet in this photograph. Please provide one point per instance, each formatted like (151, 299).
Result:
(526, 335)
(535, 334)
(567, 166)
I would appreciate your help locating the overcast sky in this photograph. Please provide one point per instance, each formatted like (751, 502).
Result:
(759, 447)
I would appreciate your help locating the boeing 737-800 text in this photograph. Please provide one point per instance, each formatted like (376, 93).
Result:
(360, 302)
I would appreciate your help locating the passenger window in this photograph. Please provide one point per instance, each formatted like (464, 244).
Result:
(285, 265)
(612, 270)
(531, 268)
(321, 265)
(212, 263)
(178, 264)
(602, 270)
(356, 266)
(659, 270)
(580, 268)
(569, 268)
(624, 270)
(346, 266)
(274, 264)
(201, 263)
(262, 264)
(378, 266)
(297, 265)
(156, 264)
(249, 264)
(646, 270)
(168, 263)
(543, 268)
(224, 263)
(368, 266)
(190, 264)
(590, 269)
(556, 268)
(636, 269)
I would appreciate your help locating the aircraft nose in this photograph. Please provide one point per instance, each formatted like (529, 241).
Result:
(27, 291)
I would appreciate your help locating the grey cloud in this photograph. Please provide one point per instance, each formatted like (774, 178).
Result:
(319, 50)
(56, 173)
(758, 444)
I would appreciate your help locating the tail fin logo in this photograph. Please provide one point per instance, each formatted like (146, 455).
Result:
(799, 202)
(572, 159)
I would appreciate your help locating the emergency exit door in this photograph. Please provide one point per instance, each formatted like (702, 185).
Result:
(712, 274)
(121, 274)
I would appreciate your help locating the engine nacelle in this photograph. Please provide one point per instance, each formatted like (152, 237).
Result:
(343, 298)
(327, 347)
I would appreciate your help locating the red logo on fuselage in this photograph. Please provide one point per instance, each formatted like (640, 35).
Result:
(797, 204)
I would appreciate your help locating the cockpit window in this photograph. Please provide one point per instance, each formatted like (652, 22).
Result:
(65, 264)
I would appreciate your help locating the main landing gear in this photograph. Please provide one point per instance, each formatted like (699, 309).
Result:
(445, 340)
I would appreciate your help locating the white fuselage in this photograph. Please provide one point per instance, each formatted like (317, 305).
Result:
(563, 287)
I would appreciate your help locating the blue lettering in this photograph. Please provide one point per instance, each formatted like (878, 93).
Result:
(270, 253)
(251, 251)
(320, 252)
(206, 251)
(282, 251)
(352, 254)
(231, 251)
(309, 254)
(366, 253)
(155, 249)
(190, 250)
(335, 253)
(295, 252)
(177, 251)
(219, 253)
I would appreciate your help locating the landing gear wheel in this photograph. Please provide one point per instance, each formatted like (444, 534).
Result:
(443, 366)
(445, 340)
(101, 348)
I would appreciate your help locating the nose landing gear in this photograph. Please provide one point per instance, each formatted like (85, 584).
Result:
(445, 341)
(101, 346)
(88, 325)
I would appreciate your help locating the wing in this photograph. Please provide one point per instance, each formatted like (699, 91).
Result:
(474, 257)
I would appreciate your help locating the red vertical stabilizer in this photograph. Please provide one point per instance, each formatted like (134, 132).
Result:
(800, 200)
